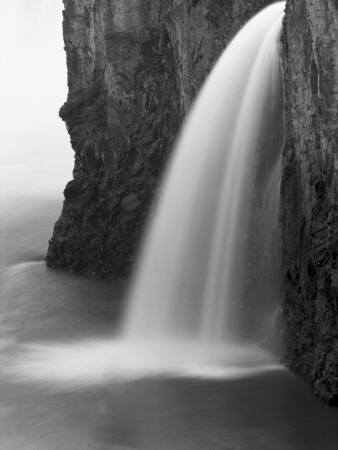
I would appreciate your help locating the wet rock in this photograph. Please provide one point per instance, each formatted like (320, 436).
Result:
(309, 192)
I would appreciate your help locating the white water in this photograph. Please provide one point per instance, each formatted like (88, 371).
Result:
(192, 273)
(207, 285)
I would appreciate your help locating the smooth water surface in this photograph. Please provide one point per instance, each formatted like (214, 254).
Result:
(270, 410)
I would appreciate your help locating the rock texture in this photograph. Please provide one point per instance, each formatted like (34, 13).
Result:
(309, 192)
(134, 68)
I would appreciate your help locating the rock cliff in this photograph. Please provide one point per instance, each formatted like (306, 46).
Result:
(309, 192)
(133, 70)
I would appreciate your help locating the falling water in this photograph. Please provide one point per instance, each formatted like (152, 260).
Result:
(209, 271)
(208, 280)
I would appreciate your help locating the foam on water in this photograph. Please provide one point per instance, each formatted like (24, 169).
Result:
(70, 364)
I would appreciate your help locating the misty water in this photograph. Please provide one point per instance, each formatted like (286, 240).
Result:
(65, 382)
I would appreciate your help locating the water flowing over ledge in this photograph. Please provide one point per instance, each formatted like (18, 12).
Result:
(207, 287)
(193, 272)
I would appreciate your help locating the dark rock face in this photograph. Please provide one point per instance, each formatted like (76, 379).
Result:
(309, 192)
(133, 70)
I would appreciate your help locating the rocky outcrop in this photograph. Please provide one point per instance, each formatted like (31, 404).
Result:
(134, 68)
(309, 192)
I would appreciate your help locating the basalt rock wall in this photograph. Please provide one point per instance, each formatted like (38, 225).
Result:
(134, 67)
(309, 192)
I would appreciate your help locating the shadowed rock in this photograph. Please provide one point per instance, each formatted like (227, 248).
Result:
(133, 70)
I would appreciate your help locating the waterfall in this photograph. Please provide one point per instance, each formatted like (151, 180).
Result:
(209, 270)
(208, 279)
